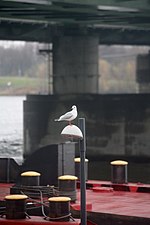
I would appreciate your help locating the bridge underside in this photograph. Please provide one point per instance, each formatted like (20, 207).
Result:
(39, 33)
(115, 22)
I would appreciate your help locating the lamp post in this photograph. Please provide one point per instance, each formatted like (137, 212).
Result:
(79, 133)
(82, 147)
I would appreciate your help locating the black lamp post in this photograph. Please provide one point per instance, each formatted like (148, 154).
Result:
(79, 133)
(82, 147)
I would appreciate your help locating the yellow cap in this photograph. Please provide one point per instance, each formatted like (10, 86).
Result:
(16, 197)
(119, 163)
(78, 160)
(59, 199)
(30, 174)
(67, 177)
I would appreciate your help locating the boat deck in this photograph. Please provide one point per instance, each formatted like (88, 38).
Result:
(109, 204)
(121, 203)
(36, 220)
(33, 220)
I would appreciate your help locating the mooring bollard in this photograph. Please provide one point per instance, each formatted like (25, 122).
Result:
(67, 186)
(16, 206)
(119, 172)
(77, 168)
(59, 208)
(30, 178)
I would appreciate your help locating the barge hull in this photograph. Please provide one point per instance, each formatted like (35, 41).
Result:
(35, 220)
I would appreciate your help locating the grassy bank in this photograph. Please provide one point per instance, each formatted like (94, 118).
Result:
(22, 85)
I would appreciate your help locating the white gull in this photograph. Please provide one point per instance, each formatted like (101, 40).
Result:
(69, 116)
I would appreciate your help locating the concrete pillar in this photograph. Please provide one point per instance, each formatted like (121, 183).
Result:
(116, 125)
(75, 64)
(143, 72)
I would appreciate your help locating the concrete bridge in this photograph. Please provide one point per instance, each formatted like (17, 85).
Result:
(76, 29)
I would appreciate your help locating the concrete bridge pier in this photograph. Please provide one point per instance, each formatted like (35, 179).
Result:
(75, 64)
(143, 72)
(75, 71)
(116, 125)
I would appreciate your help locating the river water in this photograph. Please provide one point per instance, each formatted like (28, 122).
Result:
(11, 126)
(11, 143)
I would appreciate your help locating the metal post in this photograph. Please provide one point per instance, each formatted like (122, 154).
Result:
(48, 72)
(48, 52)
(82, 147)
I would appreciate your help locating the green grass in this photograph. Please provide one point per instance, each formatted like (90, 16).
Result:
(21, 85)
(19, 81)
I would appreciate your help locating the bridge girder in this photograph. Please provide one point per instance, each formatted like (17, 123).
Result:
(116, 22)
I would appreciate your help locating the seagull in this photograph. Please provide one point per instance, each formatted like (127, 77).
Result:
(69, 116)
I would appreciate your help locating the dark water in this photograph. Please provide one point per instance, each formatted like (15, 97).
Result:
(11, 143)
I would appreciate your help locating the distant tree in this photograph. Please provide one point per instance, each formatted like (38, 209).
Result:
(117, 66)
(19, 61)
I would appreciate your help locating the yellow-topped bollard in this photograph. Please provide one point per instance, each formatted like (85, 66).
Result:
(119, 171)
(16, 206)
(30, 178)
(77, 168)
(67, 186)
(59, 208)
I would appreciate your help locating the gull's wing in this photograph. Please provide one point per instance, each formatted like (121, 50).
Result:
(67, 115)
